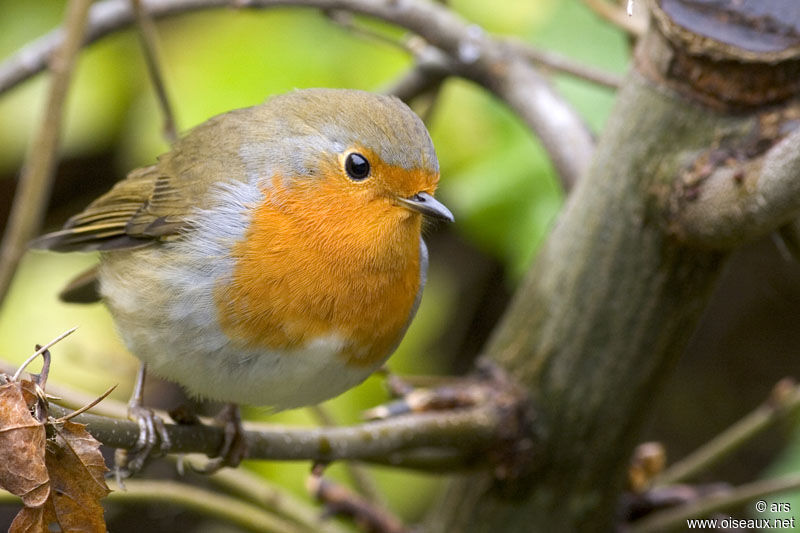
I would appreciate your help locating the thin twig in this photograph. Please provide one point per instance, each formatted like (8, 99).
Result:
(87, 406)
(339, 501)
(148, 37)
(347, 22)
(564, 65)
(361, 478)
(73, 399)
(40, 351)
(784, 401)
(33, 188)
(273, 498)
(675, 518)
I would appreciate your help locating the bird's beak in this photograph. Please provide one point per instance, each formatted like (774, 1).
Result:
(426, 204)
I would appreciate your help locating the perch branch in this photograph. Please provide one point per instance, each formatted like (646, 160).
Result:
(474, 55)
(398, 441)
(33, 188)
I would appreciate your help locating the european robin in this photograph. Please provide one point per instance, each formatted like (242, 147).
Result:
(274, 255)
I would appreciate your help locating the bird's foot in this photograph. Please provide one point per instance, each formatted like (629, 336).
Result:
(153, 441)
(234, 445)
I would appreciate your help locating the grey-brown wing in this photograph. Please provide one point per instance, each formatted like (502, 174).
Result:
(146, 206)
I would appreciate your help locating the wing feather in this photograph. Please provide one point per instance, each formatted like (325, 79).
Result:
(148, 206)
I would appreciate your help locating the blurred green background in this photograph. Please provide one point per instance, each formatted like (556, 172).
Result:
(495, 178)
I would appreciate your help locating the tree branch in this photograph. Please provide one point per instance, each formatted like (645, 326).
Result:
(33, 188)
(397, 441)
(149, 39)
(474, 55)
(562, 64)
(361, 479)
(724, 201)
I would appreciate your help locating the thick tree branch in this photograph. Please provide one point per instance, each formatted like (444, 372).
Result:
(473, 54)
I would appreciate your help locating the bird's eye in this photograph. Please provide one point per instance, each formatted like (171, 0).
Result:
(357, 166)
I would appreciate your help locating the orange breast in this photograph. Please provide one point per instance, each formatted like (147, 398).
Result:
(320, 260)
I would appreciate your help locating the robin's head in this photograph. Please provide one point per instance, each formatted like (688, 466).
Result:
(351, 150)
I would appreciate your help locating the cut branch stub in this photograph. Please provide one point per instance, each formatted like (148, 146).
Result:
(742, 187)
(742, 55)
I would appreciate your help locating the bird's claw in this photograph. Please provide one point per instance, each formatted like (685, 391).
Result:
(153, 441)
(234, 446)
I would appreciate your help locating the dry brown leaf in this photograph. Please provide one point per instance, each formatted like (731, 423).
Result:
(33, 519)
(22, 445)
(61, 480)
(77, 479)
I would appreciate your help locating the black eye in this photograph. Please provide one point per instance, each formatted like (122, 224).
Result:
(357, 166)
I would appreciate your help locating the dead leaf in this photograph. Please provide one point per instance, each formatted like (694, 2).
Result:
(22, 445)
(77, 480)
(61, 480)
